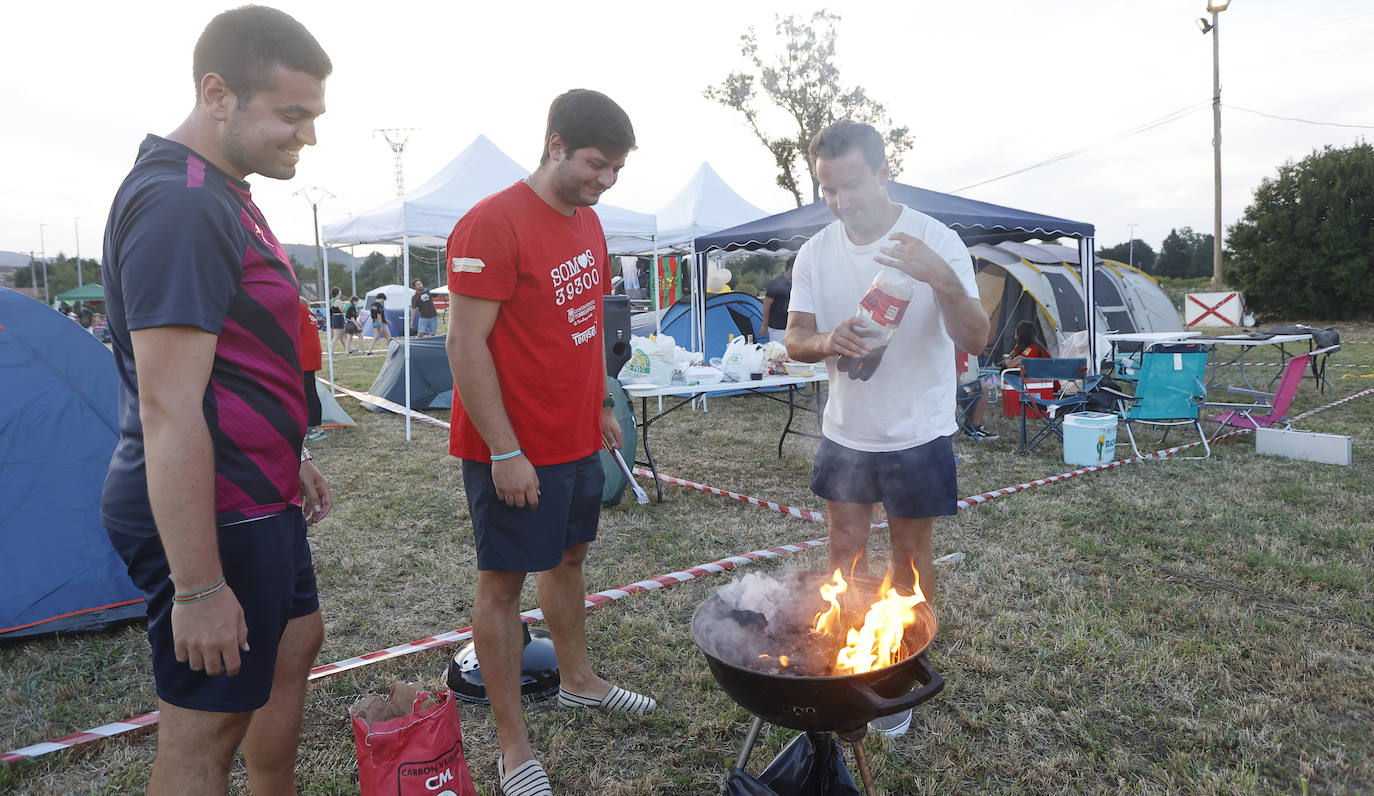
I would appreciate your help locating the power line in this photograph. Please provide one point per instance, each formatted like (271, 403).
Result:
(1319, 26)
(1304, 121)
(1146, 127)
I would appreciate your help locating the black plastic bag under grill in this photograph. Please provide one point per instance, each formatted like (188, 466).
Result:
(811, 765)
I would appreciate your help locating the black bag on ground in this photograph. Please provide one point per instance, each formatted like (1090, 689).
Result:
(1103, 396)
(800, 769)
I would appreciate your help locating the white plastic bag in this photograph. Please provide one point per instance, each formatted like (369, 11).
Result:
(652, 361)
(741, 359)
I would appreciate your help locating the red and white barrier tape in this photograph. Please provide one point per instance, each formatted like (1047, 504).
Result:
(591, 601)
(610, 595)
(390, 406)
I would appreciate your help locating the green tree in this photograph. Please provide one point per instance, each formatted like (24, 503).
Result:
(61, 275)
(378, 269)
(1184, 254)
(1302, 248)
(1140, 255)
(804, 84)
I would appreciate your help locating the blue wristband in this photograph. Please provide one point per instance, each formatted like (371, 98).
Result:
(505, 456)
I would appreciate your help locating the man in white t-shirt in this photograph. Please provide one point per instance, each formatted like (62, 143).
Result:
(887, 438)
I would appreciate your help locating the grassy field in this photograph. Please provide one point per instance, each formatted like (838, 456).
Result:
(1161, 627)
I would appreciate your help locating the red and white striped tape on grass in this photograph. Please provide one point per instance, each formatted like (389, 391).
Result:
(329, 669)
(610, 595)
(390, 406)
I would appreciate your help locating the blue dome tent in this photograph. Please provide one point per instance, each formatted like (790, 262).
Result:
(58, 428)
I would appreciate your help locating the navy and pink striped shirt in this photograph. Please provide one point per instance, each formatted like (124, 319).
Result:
(186, 246)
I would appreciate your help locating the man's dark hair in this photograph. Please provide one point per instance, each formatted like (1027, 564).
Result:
(838, 138)
(245, 45)
(583, 117)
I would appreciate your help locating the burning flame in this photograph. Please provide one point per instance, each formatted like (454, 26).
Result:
(878, 642)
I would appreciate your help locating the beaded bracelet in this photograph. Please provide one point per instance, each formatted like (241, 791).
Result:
(192, 596)
(505, 456)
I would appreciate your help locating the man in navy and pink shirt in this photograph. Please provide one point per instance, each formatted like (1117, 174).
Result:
(209, 490)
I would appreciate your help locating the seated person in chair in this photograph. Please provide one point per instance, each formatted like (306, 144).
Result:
(971, 399)
(1028, 344)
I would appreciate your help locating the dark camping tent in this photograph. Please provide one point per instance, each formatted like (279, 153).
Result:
(431, 381)
(974, 221)
(57, 430)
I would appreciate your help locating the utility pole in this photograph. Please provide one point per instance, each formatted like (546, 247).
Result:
(43, 256)
(1130, 245)
(314, 195)
(397, 137)
(1215, 7)
(76, 223)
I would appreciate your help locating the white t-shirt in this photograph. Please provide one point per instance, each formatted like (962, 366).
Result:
(909, 400)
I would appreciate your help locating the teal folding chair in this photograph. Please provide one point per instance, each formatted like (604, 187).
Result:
(1171, 389)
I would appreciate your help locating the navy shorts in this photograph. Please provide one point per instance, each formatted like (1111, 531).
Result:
(511, 539)
(914, 483)
(267, 564)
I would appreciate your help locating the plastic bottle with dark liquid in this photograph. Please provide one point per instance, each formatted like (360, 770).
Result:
(881, 308)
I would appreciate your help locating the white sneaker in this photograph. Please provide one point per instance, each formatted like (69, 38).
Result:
(894, 726)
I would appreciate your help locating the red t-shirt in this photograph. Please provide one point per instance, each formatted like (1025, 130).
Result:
(1034, 351)
(312, 352)
(549, 272)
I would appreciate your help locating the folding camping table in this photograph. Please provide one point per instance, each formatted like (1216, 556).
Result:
(1243, 343)
(768, 387)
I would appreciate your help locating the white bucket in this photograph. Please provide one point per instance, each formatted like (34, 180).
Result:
(1089, 438)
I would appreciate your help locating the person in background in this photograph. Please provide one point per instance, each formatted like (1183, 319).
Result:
(84, 314)
(209, 490)
(775, 299)
(1028, 344)
(527, 271)
(889, 439)
(353, 325)
(380, 326)
(426, 317)
(312, 359)
(972, 392)
(338, 324)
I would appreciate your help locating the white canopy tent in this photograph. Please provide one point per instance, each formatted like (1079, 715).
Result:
(425, 216)
(706, 204)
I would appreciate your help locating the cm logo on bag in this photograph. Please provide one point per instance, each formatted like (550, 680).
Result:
(435, 774)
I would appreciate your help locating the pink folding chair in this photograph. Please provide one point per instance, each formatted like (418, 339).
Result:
(1241, 415)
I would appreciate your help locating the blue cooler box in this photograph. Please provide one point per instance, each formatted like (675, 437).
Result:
(1089, 438)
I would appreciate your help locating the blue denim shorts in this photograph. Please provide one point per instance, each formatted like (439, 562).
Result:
(914, 483)
(511, 539)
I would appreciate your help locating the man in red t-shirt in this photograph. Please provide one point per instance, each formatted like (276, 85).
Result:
(527, 269)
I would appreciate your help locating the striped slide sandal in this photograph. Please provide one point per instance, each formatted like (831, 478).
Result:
(528, 779)
(617, 701)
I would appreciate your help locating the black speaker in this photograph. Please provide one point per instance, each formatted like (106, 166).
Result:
(616, 318)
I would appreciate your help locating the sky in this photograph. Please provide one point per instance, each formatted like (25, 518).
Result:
(987, 87)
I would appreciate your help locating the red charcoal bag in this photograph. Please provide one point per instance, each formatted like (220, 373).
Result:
(419, 753)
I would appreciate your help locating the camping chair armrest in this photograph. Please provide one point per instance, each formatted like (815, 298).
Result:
(1117, 394)
(1246, 391)
(1240, 407)
(1011, 377)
